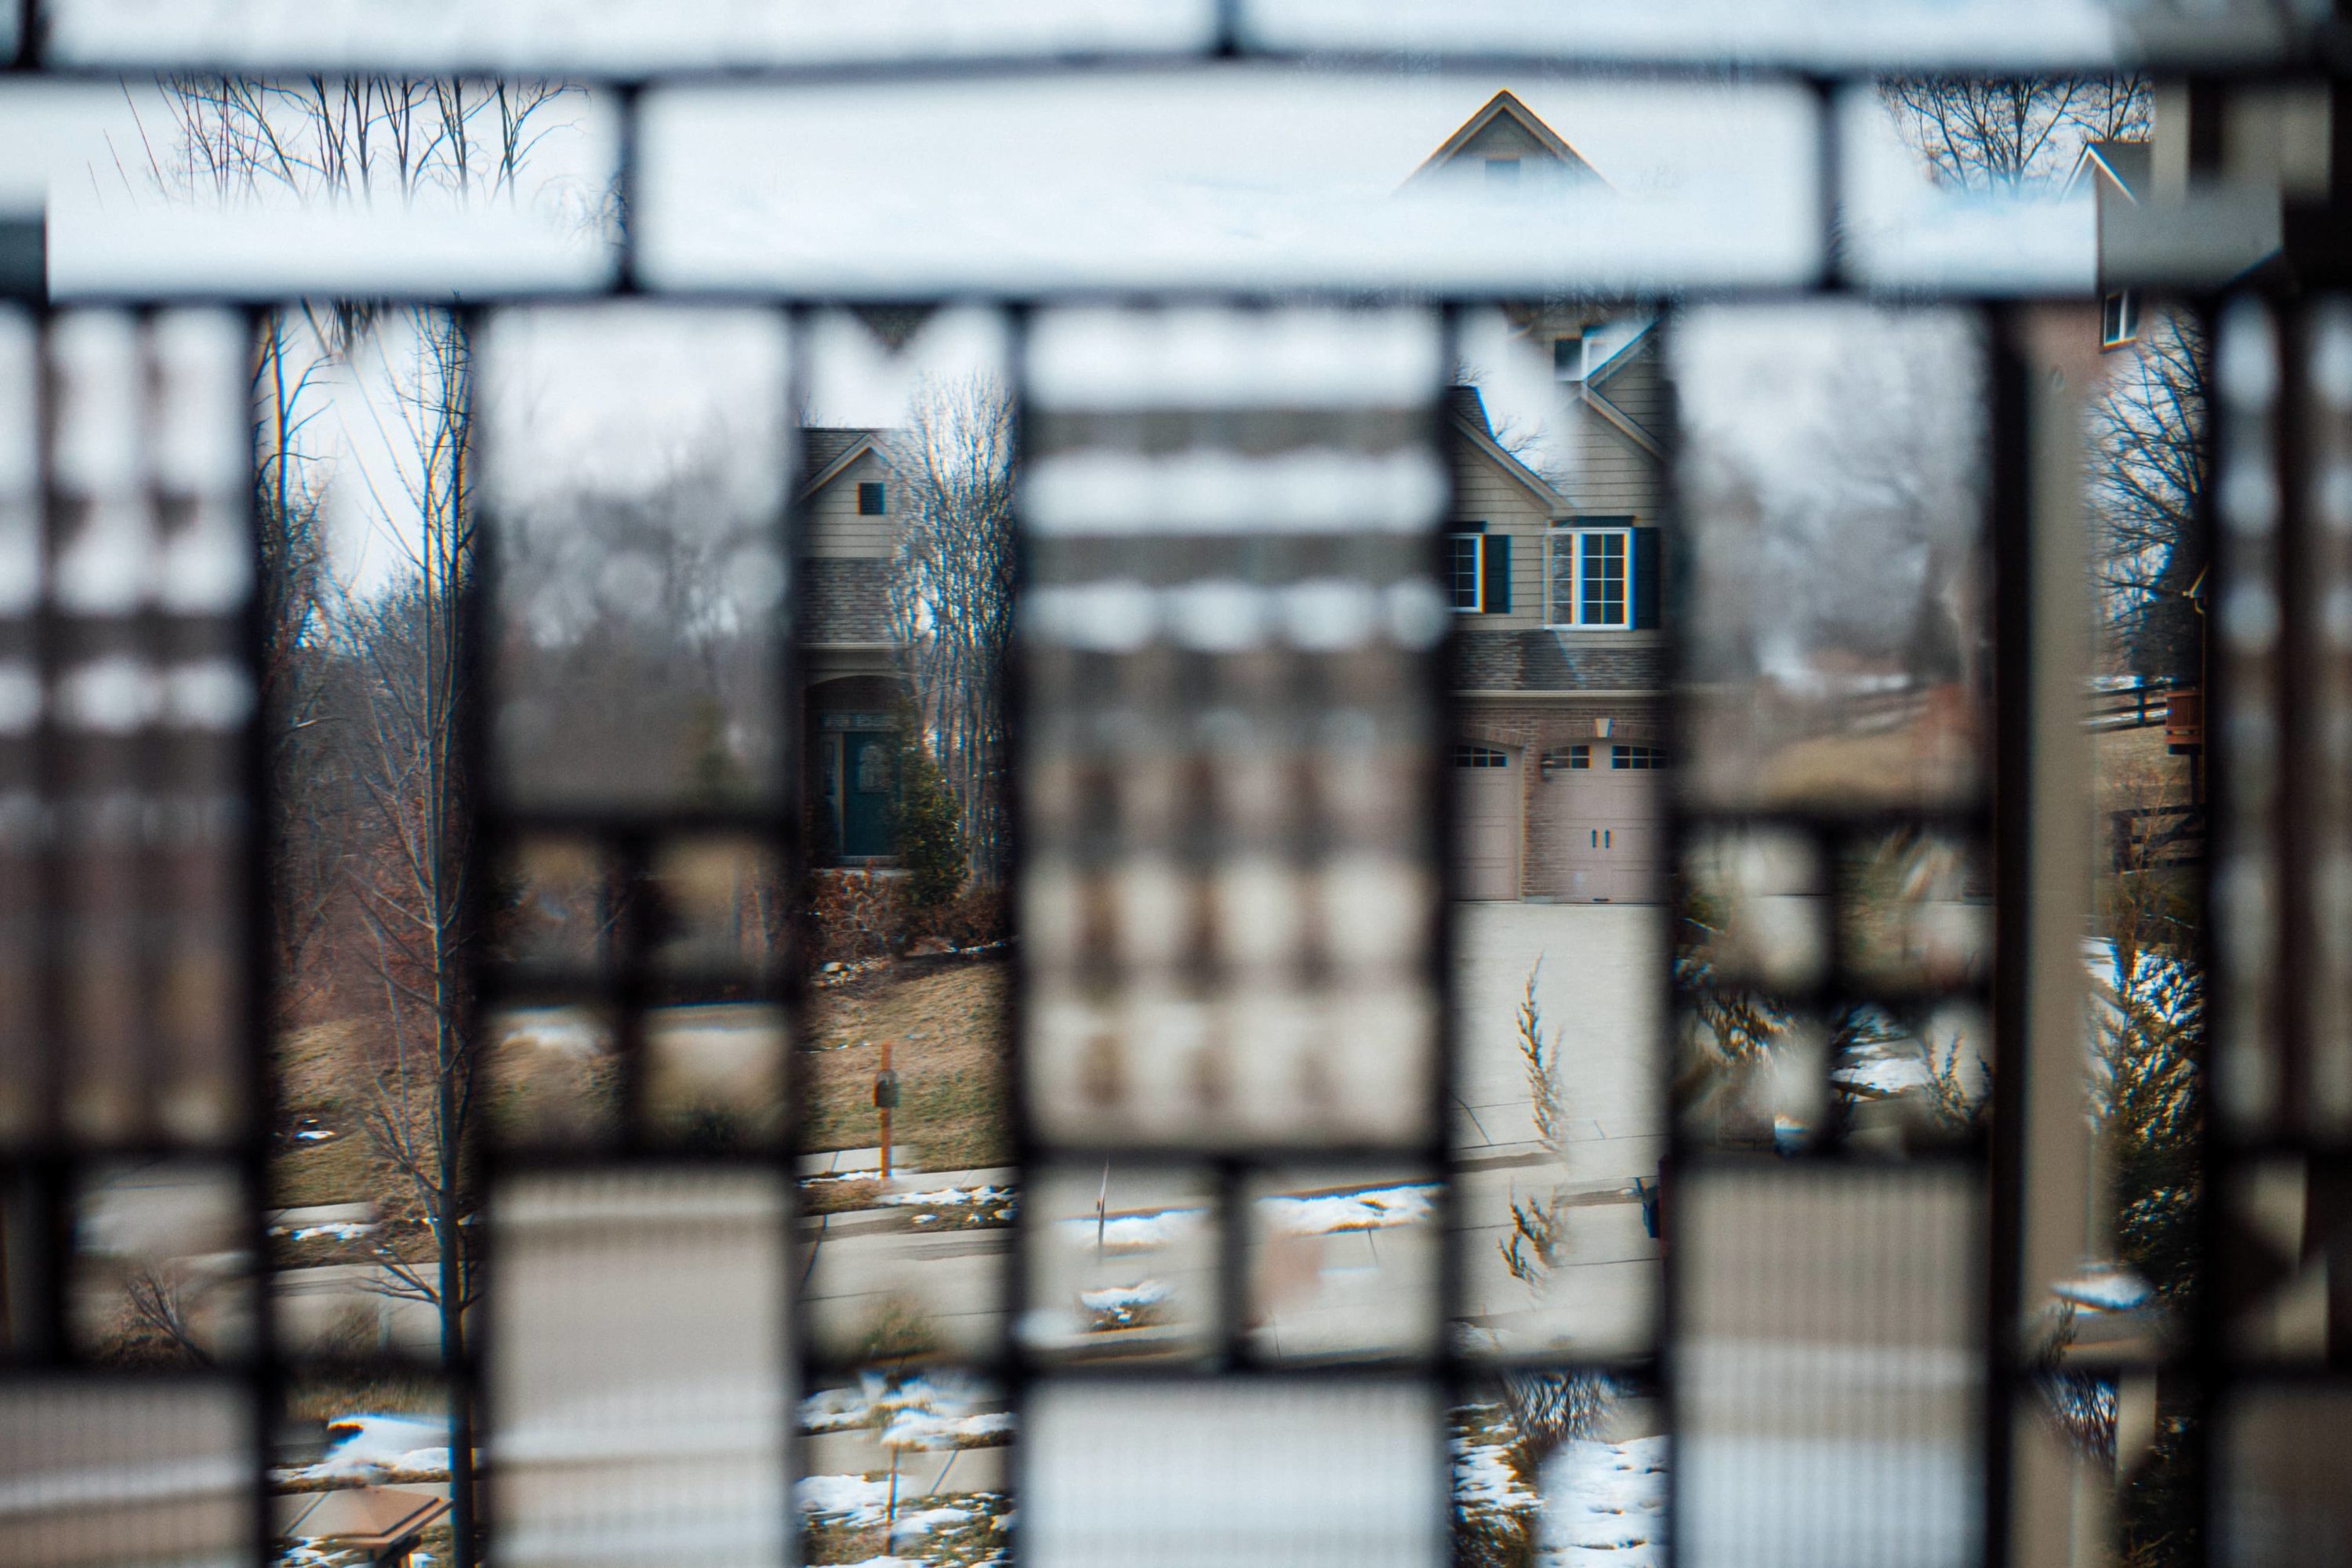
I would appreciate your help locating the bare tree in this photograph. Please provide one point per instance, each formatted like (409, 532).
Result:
(376, 834)
(2009, 133)
(410, 892)
(2147, 485)
(951, 592)
(354, 139)
(306, 828)
(157, 1297)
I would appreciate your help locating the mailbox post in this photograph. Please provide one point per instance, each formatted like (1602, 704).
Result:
(886, 1100)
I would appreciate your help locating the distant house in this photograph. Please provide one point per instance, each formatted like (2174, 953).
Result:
(851, 686)
(1559, 665)
(1558, 658)
(1506, 144)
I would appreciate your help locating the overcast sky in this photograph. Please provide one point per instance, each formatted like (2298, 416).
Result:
(1253, 177)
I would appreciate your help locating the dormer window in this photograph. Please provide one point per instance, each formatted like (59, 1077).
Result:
(870, 499)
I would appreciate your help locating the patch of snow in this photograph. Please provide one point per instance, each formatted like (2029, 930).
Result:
(1371, 1210)
(930, 1411)
(929, 1520)
(947, 1197)
(366, 1445)
(1136, 1232)
(2108, 1291)
(1876, 1072)
(1605, 1503)
(1126, 1298)
(926, 1431)
(853, 1498)
(1482, 1477)
(340, 1230)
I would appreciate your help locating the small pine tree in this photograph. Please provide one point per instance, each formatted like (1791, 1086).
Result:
(1538, 1239)
(928, 826)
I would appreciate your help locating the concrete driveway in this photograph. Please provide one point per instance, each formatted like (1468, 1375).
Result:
(1600, 990)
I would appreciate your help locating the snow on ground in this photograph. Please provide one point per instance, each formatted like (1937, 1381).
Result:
(930, 1411)
(340, 1230)
(949, 1198)
(850, 1499)
(1135, 1232)
(1481, 1478)
(1605, 1504)
(2111, 1291)
(1126, 1298)
(370, 1445)
(973, 1204)
(923, 1429)
(1875, 1070)
(1371, 1210)
(929, 1520)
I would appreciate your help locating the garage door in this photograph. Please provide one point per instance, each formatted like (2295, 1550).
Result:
(1609, 824)
(1486, 818)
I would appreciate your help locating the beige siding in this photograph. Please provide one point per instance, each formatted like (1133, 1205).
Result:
(1483, 491)
(833, 526)
(1503, 137)
(1614, 474)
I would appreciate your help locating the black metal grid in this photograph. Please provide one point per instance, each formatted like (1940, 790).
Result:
(49, 1167)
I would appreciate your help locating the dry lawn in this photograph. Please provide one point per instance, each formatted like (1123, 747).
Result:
(947, 1026)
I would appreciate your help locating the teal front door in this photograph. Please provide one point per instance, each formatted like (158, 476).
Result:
(869, 770)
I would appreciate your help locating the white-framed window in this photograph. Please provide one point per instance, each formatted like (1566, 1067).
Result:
(1465, 572)
(1591, 577)
(1471, 756)
(1635, 757)
(2119, 318)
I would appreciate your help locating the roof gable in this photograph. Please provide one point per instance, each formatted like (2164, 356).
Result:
(833, 449)
(2123, 166)
(1508, 129)
(1478, 439)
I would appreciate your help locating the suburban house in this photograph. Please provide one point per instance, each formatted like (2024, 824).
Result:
(851, 685)
(1559, 664)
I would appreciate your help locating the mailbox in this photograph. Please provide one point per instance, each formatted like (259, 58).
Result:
(885, 1090)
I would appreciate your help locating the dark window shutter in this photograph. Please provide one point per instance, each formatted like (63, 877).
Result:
(1646, 563)
(1496, 569)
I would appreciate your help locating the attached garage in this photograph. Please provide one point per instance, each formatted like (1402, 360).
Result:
(1601, 803)
(1487, 794)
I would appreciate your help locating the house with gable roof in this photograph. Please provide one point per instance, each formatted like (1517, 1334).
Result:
(1555, 579)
